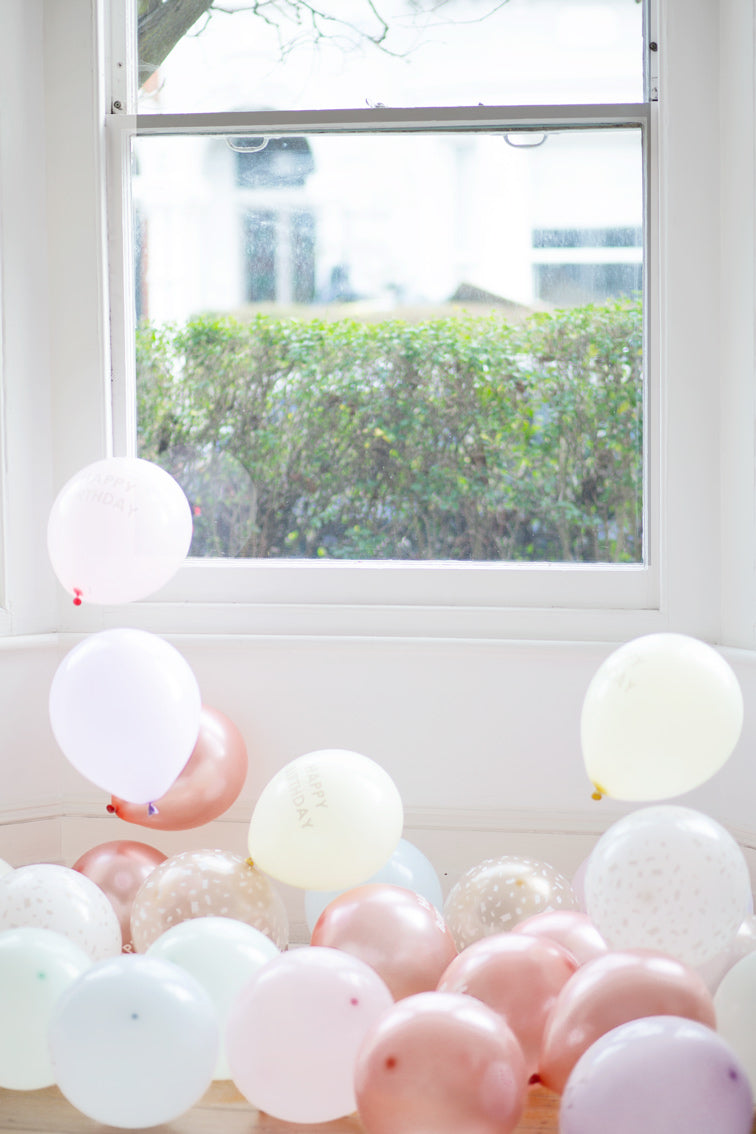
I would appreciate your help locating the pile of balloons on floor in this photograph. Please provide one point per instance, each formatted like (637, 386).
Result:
(132, 980)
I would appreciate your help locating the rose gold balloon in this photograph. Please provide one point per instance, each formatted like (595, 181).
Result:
(119, 868)
(571, 929)
(207, 883)
(612, 990)
(440, 1062)
(395, 931)
(206, 787)
(519, 977)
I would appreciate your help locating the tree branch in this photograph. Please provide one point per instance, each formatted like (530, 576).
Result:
(161, 26)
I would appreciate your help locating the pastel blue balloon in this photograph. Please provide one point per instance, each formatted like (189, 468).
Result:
(407, 867)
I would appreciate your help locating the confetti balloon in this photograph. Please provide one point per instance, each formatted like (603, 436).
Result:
(119, 868)
(670, 1074)
(444, 1062)
(47, 896)
(671, 879)
(295, 1030)
(661, 716)
(500, 892)
(206, 883)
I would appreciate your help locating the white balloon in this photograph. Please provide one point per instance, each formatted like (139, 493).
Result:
(118, 530)
(47, 896)
(5, 867)
(125, 709)
(743, 943)
(326, 821)
(36, 967)
(134, 1041)
(662, 714)
(735, 1006)
(671, 879)
(222, 954)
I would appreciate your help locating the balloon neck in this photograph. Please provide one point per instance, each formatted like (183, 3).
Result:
(77, 596)
(110, 808)
(250, 862)
(599, 793)
(152, 809)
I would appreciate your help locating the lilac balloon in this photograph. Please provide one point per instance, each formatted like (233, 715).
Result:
(661, 1075)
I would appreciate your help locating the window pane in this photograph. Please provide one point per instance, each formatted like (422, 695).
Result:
(396, 53)
(396, 346)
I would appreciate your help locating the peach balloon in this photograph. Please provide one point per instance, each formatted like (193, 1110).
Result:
(441, 1062)
(612, 990)
(206, 787)
(519, 977)
(119, 868)
(395, 931)
(571, 929)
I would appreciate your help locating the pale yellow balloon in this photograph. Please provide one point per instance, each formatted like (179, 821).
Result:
(662, 714)
(326, 821)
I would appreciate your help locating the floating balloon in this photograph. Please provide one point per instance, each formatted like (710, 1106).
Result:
(118, 530)
(46, 896)
(206, 786)
(662, 714)
(206, 883)
(395, 931)
(133, 1042)
(609, 991)
(671, 879)
(36, 967)
(407, 867)
(519, 977)
(119, 868)
(735, 1003)
(670, 1074)
(223, 955)
(326, 821)
(571, 929)
(440, 1061)
(125, 710)
(294, 1032)
(499, 892)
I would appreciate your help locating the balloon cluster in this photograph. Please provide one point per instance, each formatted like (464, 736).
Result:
(132, 979)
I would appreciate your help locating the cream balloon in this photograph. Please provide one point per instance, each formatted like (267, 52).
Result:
(662, 714)
(735, 1005)
(326, 821)
(47, 896)
(118, 530)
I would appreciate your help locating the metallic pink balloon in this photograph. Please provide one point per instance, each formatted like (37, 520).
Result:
(519, 977)
(612, 990)
(395, 931)
(571, 929)
(440, 1062)
(209, 783)
(119, 868)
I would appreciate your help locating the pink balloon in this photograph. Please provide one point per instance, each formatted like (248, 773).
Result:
(440, 1062)
(295, 1029)
(119, 868)
(209, 783)
(519, 977)
(395, 931)
(612, 990)
(571, 929)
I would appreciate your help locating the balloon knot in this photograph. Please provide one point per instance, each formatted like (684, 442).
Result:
(77, 596)
(152, 809)
(599, 793)
(110, 809)
(250, 862)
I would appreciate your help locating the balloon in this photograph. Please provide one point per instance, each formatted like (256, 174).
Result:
(326, 821)
(222, 954)
(133, 1042)
(743, 943)
(395, 931)
(407, 867)
(670, 1074)
(36, 967)
(571, 929)
(662, 714)
(118, 530)
(125, 710)
(206, 786)
(499, 892)
(519, 977)
(735, 1003)
(46, 896)
(294, 1032)
(119, 868)
(671, 879)
(609, 991)
(440, 1061)
(206, 883)
(5, 867)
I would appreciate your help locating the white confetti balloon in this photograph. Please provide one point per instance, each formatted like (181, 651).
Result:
(47, 896)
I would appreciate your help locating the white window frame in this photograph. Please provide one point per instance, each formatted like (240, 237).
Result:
(700, 502)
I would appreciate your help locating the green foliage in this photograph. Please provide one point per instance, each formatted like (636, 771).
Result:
(458, 439)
